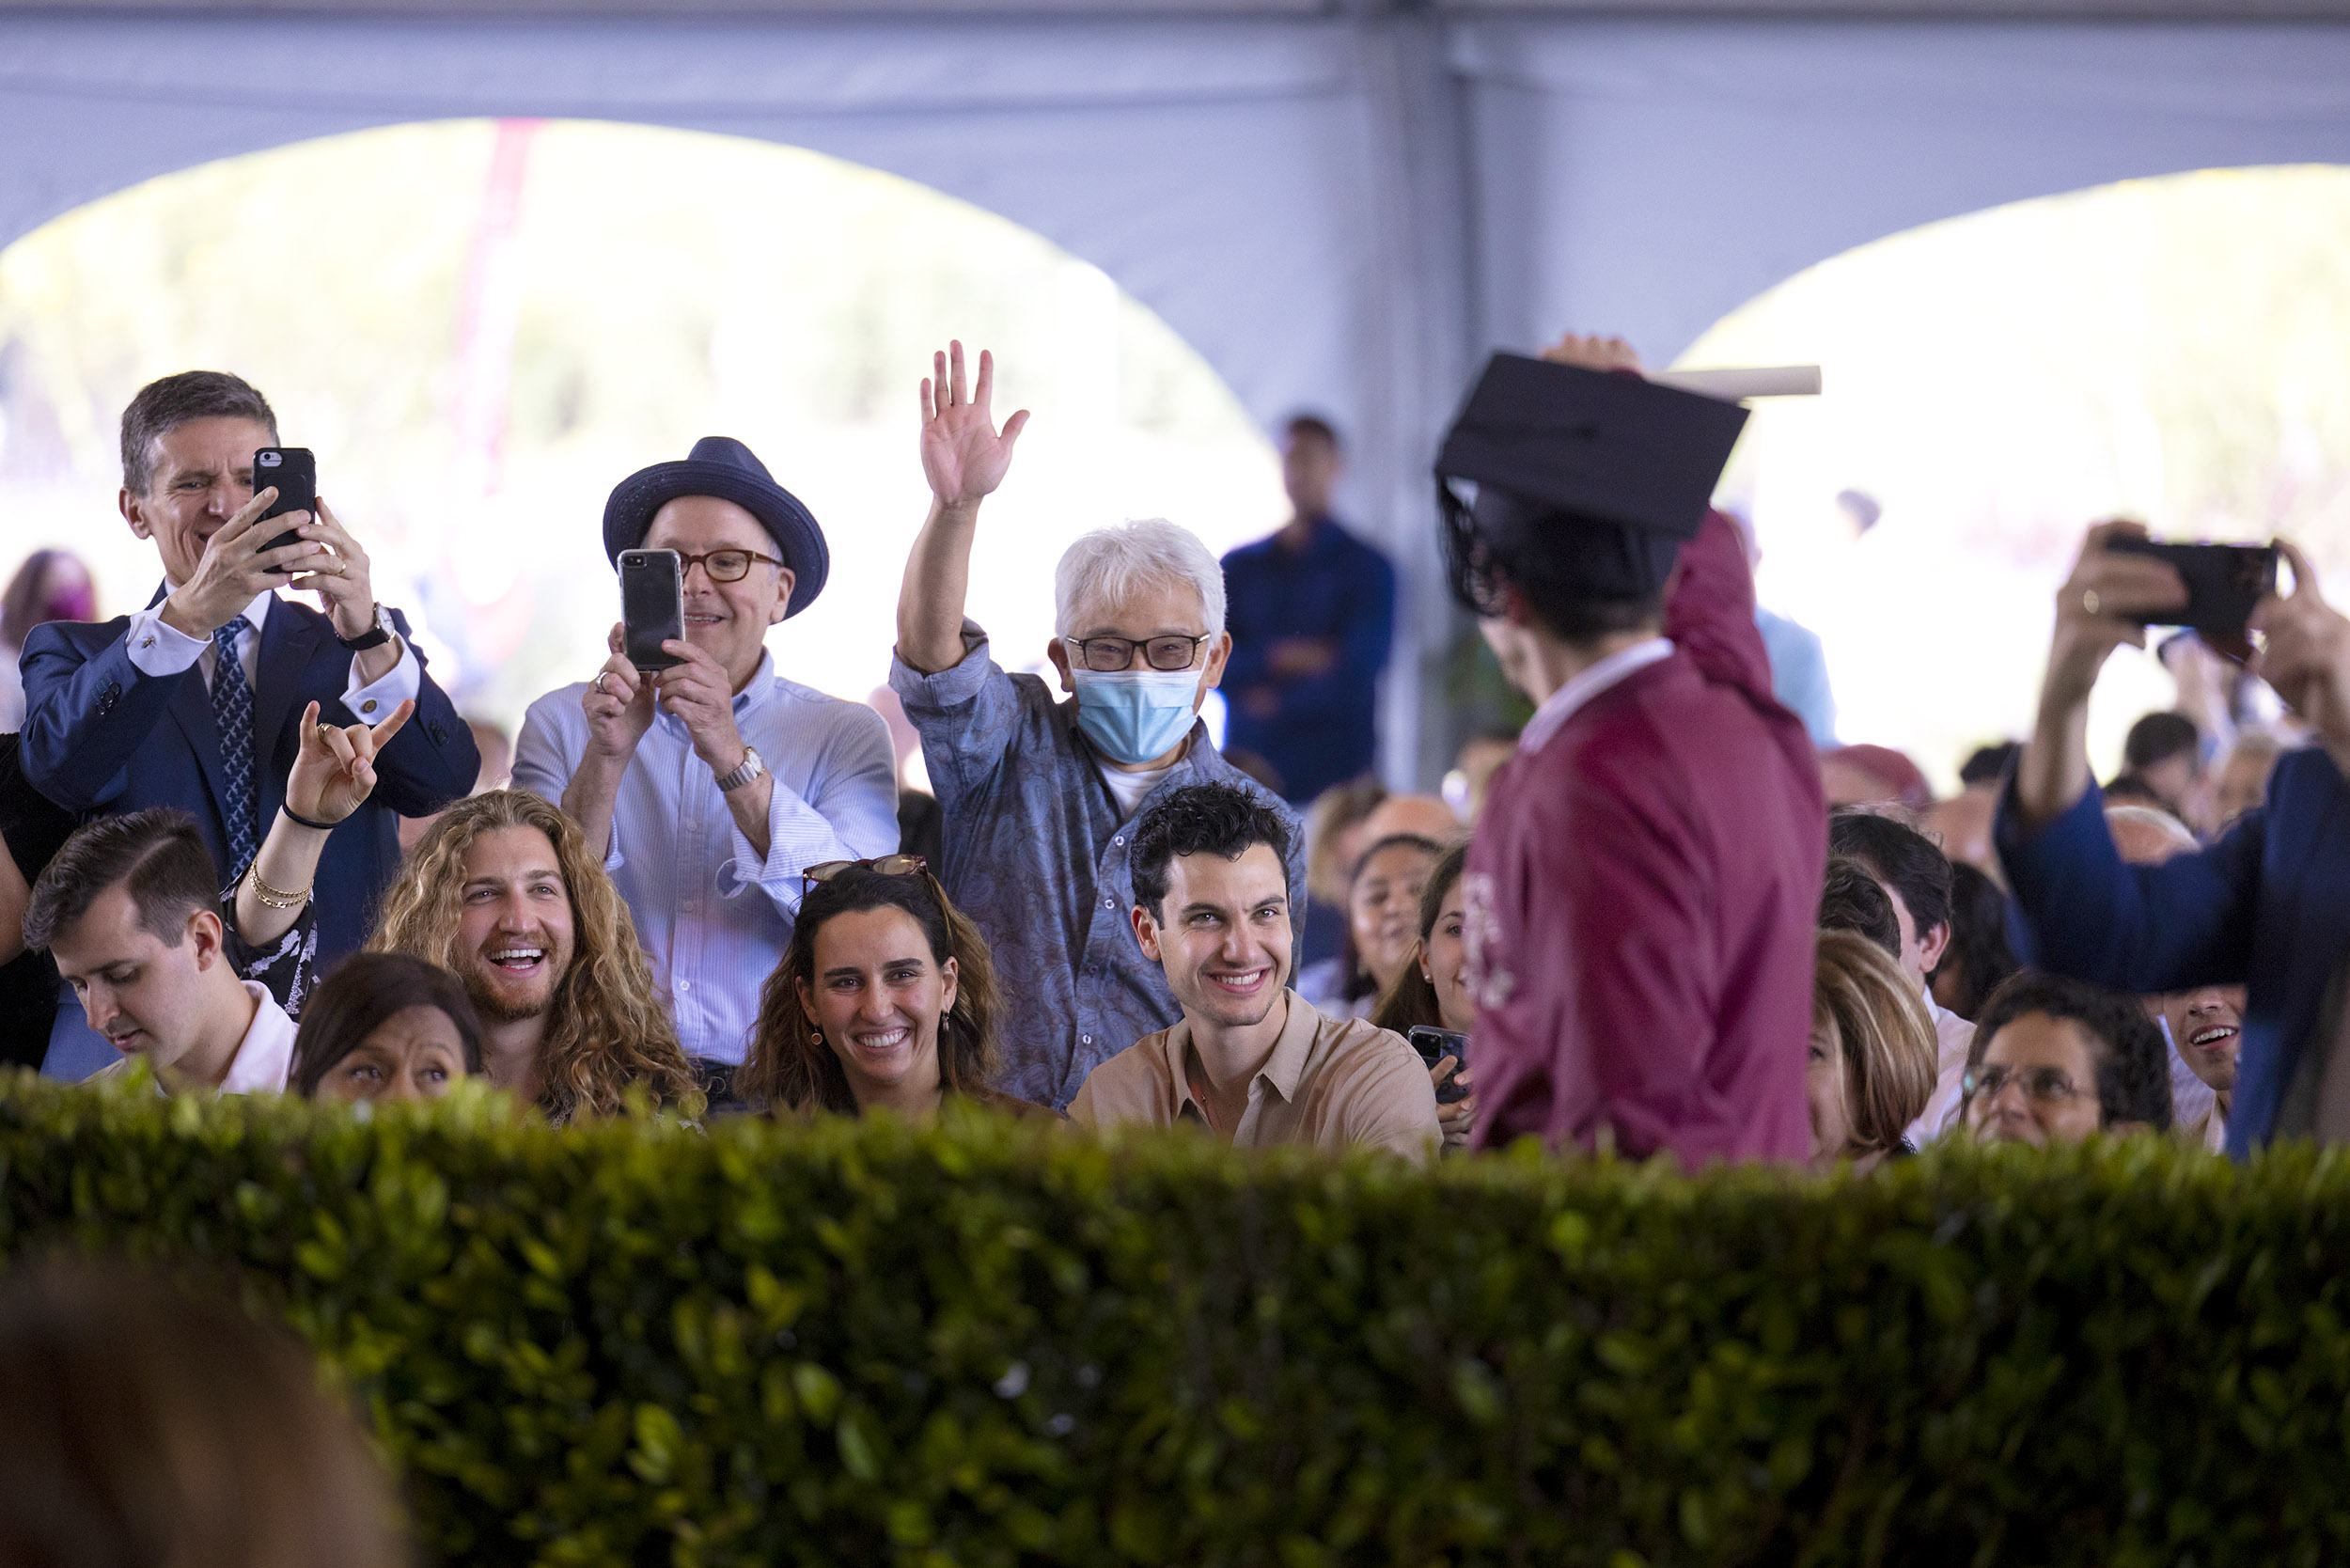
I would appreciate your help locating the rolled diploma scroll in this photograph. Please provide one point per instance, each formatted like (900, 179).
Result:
(1760, 380)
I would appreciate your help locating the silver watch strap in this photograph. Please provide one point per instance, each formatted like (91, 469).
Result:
(749, 769)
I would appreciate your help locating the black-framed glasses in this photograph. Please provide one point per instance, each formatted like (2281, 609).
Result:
(886, 865)
(1108, 655)
(723, 566)
(2048, 1085)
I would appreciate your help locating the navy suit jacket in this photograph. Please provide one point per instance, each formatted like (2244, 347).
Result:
(103, 739)
(2266, 907)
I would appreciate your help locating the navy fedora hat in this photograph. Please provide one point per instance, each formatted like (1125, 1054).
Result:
(722, 466)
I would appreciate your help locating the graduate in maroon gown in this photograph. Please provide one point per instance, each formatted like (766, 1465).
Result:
(1644, 885)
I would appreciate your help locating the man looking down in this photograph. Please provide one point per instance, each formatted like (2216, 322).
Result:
(129, 909)
(1250, 1060)
(1641, 892)
(1037, 794)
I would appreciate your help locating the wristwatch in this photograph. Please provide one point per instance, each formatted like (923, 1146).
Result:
(374, 637)
(749, 769)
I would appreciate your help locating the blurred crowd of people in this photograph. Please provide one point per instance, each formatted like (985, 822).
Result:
(252, 843)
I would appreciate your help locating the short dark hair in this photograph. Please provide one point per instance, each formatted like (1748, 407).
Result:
(1903, 858)
(156, 855)
(167, 404)
(1987, 764)
(1851, 900)
(1490, 548)
(364, 991)
(1978, 954)
(2133, 1063)
(1212, 819)
(1315, 425)
(2158, 738)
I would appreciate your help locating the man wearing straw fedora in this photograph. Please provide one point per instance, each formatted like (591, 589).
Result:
(715, 782)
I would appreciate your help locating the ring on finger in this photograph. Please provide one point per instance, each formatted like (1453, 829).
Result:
(600, 675)
(2090, 602)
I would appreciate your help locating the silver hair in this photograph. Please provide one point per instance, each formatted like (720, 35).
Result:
(1104, 566)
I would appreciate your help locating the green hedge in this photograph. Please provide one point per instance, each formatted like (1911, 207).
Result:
(854, 1343)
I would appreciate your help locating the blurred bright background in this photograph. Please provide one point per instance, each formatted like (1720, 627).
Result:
(482, 326)
(2169, 349)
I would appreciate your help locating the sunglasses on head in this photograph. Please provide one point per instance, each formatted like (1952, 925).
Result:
(886, 864)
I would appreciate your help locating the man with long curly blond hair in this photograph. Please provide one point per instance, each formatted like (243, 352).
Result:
(503, 891)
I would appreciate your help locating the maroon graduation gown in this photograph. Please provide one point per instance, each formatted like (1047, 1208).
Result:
(1642, 896)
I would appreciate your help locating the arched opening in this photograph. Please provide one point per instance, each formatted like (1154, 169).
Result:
(480, 327)
(2169, 349)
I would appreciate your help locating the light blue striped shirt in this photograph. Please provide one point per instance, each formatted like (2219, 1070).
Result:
(713, 917)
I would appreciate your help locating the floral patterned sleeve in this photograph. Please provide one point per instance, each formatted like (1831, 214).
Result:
(287, 967)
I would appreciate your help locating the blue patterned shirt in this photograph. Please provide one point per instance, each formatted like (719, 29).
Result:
(1037, 855)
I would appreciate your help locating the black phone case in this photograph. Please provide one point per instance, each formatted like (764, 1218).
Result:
(1434, 1050)
(295, 473)
(2224, 582)
(653, 607)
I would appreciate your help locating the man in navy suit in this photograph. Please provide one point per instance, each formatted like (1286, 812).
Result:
(196, 701)
(2267, 906)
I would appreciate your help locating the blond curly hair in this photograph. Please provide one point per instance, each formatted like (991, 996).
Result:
(606, 1028)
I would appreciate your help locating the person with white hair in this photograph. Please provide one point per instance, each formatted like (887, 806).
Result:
(1039, 793)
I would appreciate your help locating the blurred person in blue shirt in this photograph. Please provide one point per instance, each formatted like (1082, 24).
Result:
(1311, 611)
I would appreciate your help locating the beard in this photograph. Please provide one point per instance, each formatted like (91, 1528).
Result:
(505, 1007)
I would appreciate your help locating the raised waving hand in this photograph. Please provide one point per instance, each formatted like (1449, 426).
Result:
(964, 456)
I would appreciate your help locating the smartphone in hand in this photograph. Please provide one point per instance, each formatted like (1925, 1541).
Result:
(1435, 1044)
(295, 473)
(653, 607)
(2224, 582)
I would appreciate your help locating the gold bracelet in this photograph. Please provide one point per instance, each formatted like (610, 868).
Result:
(271, 896)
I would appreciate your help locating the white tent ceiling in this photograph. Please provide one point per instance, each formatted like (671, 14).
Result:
(1341, 210)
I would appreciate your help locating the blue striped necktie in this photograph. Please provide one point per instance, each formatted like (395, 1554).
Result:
(233, 719)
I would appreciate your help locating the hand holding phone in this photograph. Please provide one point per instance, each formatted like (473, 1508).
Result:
(2224, 582)
(295, 472)
(653, 607)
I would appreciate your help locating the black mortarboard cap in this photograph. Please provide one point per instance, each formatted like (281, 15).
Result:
(1606, 447)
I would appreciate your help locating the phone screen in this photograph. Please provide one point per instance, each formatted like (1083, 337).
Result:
(295, 473)
(653, 607)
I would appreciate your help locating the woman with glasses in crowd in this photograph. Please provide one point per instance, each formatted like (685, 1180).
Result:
(385, 1026)
(1431, 990)
(885, 1000)
(2057, 1060)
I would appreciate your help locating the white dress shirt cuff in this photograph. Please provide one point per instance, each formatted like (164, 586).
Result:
(798, 836)
(613, 858)
(373, 702)
(160, 648)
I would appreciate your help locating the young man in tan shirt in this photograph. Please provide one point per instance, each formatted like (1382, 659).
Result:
(1251, 1061)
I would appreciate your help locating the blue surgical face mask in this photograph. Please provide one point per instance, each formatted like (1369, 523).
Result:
(1133, 715)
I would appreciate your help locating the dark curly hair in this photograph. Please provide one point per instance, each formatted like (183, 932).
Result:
(1851, 899)
(2132, 1064)
(1201, 819)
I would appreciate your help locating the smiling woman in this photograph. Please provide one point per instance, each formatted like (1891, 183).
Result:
(885, 1000)
(493, 350)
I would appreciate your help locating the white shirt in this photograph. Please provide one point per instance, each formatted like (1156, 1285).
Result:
(715, 918)
(1130, 790)
(1953, 1038)
(264, 1057)
(1561, 705)
(158, 647)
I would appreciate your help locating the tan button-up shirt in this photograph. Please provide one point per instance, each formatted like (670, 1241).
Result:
(1330, 1082)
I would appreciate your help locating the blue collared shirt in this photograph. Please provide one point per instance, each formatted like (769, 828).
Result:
(1038, 855)
(1325, 729)
(714, 917)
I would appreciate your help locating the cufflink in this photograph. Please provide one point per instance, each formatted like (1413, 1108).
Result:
(147, 642)
(368, 706)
